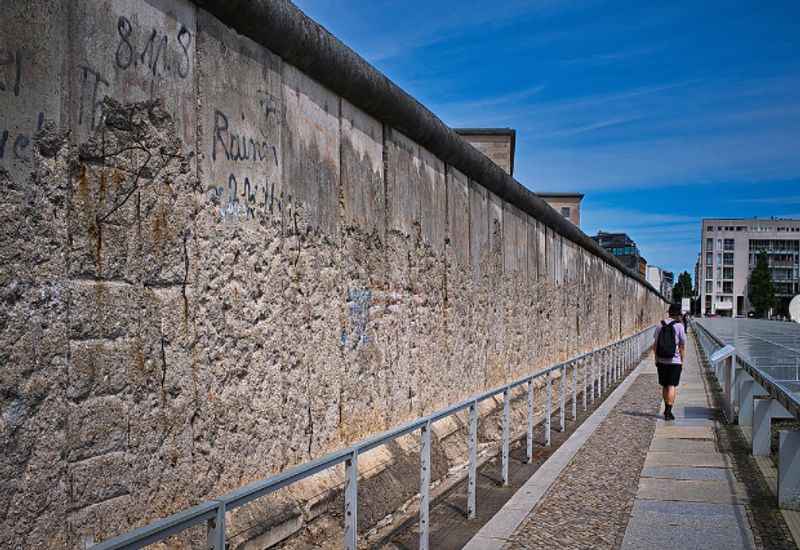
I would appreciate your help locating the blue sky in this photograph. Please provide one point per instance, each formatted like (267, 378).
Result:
(662, 113)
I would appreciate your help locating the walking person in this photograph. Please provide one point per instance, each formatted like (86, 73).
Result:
(670, 349)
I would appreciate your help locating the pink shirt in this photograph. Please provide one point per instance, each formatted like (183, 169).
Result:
(680, 339)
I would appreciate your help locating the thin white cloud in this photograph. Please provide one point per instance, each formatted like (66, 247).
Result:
(793, 199)
(627, 217)
(770, 154)
(598, 59)
(586, 128)
(511, 98)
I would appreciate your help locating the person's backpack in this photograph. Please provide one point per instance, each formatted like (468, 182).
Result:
(666, 344)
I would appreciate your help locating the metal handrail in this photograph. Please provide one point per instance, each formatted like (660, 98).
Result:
(623, 354)
(770, 385)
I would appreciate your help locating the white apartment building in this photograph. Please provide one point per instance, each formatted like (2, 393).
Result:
(661, 280)
(729, 249)
(654, 276)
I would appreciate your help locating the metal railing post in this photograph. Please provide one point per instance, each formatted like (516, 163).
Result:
(506, 437)
(613, 365)
(351, 502)
(575, 391)
(424, 485)
(215, 529)
(603, 373)
(600, 367)
(548, 411)
(612, 351)
(585, 384)
(562, 399)
(473, 459)
(630, 354)
(529, 433)
(627, 355)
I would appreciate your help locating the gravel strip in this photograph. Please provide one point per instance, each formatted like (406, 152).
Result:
(590, 504)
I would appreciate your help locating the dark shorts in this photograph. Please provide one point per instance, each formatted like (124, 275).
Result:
(669, 375)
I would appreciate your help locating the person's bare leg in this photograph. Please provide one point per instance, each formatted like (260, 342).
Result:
(668, 394)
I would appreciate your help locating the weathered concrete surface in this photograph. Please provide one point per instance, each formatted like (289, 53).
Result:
(238, 273)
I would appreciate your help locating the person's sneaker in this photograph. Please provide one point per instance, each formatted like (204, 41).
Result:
(669, 416)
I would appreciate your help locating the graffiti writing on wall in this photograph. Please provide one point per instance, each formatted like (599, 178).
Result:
(92, 85)
(235, 202)
(155, 55)
(358, 303)
(158, 52)
(10, 70)
(15, 144)
(18, 145)
(247, 158)
(238, 147)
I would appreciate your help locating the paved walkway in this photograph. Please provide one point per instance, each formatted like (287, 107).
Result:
(688, 496)
(640, 483)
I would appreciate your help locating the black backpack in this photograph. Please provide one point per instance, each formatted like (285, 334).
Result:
(666, 344)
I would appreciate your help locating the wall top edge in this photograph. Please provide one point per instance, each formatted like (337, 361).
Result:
(284, 29)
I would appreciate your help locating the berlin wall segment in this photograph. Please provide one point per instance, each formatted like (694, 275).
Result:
(214, 268)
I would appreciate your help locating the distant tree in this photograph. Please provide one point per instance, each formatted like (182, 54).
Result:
(683, 288)
(762, 292)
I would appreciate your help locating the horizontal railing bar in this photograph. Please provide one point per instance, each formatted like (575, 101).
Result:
(161, 529)
(175, 523)
(254, 490)
(383, 438)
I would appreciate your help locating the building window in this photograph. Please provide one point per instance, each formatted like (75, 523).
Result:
(727, 273)
(727, 258)
(710, 228)
(729, 244)
(709, 272)
(565, 211)
(709, 258)
(709, 287)
(727, 287)
(709, 244)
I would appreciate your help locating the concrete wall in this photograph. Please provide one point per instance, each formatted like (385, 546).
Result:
(213, 268)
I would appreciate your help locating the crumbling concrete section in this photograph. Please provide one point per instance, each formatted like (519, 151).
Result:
(214, 267)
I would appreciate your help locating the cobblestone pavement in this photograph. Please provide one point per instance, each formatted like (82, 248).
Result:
(590, 504)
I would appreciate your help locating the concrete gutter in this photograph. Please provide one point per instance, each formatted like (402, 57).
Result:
(281, 27)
